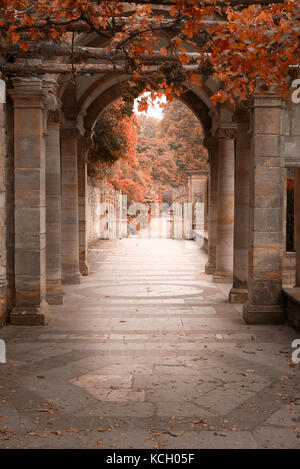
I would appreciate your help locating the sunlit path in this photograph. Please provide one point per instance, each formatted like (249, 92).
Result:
(147, 352)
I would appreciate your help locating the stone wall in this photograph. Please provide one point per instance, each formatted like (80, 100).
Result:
(290, 139)
(289, 269)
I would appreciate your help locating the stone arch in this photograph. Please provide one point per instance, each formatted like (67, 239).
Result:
(100, 95)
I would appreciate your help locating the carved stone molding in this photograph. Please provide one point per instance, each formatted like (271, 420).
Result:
(226, 132)
(80, 121)
(50, 100)
(51, 104)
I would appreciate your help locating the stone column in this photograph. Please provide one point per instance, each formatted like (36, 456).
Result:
(69, 197)
(211, 144)
(297, 224)
(225, 218)
(31, 307)
(239, 291)
(3, 202)
(83, 206)
(10, 206)
(53, 213)
(266, 214)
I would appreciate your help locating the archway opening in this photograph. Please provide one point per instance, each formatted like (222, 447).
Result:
(152, 166)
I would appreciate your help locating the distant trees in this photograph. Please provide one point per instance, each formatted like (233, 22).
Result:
(183, 134)
(142, 155)
(115, 138)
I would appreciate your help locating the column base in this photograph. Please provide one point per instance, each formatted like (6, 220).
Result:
(209, 268)
(72, 279)
(84, 268)
(30, 315)
(55, 297)
(238, 295)
(263, 314)
(222, 277)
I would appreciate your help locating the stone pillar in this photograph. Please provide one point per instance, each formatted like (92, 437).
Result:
(266, 214)
(297, 224)
(31, 307)
(3, 201)
(211, 144)
(83, 206)
(10, 206)
(69, 197)
(53, 214)
(239, 291)
(225, 218)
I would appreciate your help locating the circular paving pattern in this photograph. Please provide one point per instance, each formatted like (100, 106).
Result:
(161, 291)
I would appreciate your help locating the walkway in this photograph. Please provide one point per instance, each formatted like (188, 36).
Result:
(147, 352)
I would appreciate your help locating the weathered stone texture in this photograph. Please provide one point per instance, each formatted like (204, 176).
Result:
(70, 228)
(212, 147)
(289, 268)
(83, 206)
(53, 215)
(266, 218)
(239, 291)
(30, 217)
(3, 254)
(225, 196)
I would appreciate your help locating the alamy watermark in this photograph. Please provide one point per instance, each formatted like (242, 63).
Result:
(296, 353)
(178, 221)
(296, 92)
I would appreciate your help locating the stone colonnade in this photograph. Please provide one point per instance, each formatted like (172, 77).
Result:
(50, 203)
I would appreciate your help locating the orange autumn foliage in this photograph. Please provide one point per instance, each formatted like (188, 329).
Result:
(246, 43)
(160, 155)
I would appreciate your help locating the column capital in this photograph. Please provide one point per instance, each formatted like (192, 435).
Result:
(226, 131)
(27, 92)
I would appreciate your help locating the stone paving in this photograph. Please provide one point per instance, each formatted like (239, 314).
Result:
(148, 353)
